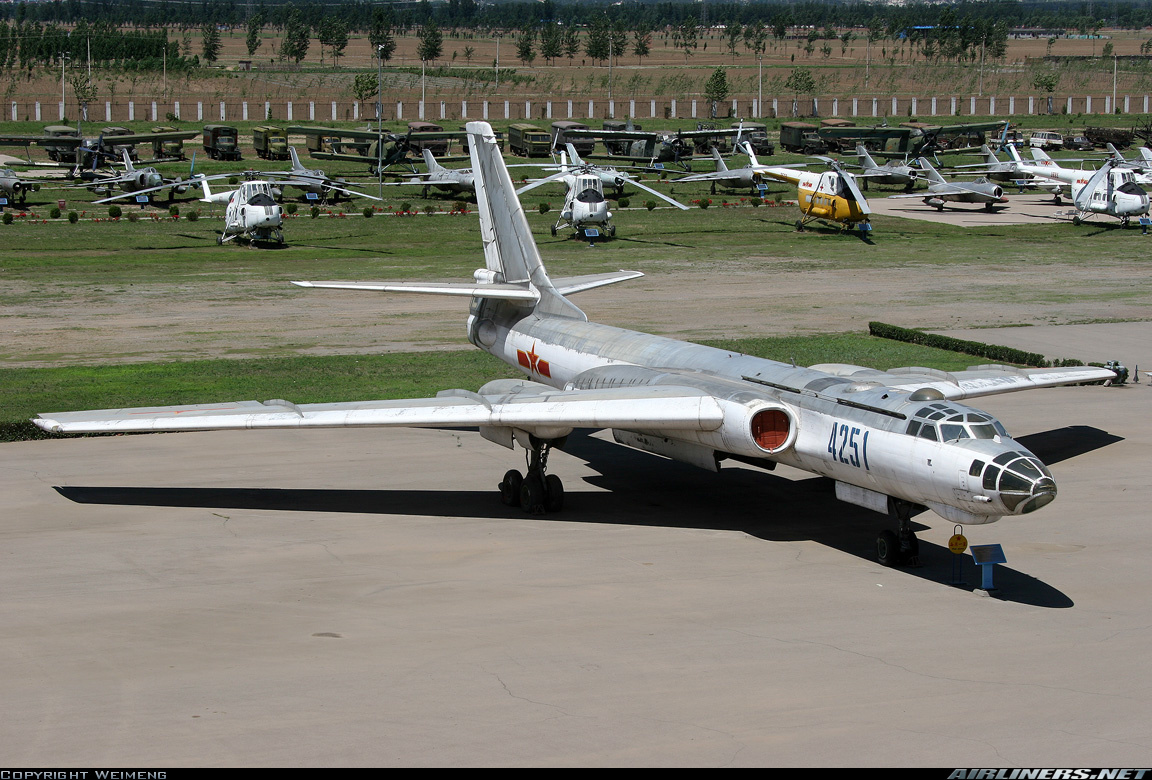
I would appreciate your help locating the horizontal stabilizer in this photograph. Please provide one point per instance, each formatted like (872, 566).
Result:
(575, 284)
(510, 292)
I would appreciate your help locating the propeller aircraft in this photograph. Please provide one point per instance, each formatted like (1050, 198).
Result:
(911, 139)
(941, 191)
(651, 148)
(585, 207)
(894, 442)
(379, 150)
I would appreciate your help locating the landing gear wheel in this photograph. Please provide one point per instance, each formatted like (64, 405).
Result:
(799, 226)
(888, 549)
(219, 240)
(532, 495)
(1076, 220)
(510, 487)
(553, 493)
(553, 231)
(1057, 200)
(611, 231)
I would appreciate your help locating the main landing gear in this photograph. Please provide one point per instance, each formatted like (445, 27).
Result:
(537, 491)
(901, 548)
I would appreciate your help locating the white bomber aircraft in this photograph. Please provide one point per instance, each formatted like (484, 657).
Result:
(892, 441)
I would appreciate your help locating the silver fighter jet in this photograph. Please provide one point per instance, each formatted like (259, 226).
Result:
(891, 441)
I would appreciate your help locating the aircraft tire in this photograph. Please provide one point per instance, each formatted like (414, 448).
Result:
(888, 549)
(553, 231)
(532, 495)
(510, 487)
(553, 493)
(1076, 220)
(219, 240)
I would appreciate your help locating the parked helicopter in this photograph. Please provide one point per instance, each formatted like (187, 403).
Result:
(941, 191)
(1112, 190)
(252, 212)
(585, 208)
(831, 195)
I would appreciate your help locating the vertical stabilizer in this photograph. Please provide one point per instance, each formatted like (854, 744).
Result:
(296, 166)
(128, 167)
(509, 248)
(930, 173)
(720, 164)
(989, 156)
(430, 161)
(577, 161)
(866, 161)
(1039, 155)
(747, 146)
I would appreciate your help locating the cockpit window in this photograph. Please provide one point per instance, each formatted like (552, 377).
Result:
(928, 432)
(950, 432)
(591, 195)
(976, 467)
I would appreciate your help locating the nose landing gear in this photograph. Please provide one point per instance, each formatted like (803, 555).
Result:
(900, 548)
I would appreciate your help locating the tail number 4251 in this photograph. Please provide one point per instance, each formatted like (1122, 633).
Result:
(848, 445)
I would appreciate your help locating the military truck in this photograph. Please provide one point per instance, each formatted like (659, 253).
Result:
(619, 146)
(167, 149)
(271, 143)
(801, 137)
(108, 146)
(64, 152)
(529, 140)
(221, 142)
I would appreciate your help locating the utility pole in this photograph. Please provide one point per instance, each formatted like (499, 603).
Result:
(380, 121)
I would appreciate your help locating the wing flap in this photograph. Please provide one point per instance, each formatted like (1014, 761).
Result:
(658, 408)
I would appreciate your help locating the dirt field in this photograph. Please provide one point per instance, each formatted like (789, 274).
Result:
(886, 70)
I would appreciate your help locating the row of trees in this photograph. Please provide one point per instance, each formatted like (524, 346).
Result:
(454, 15)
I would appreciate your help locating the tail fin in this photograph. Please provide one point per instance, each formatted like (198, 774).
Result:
(207, 192)
(1114, 153)
(573, 156)
(1014, 153)
(720, 164)
(989, 156)
(509, 248)
(128, 167)
(430, 161)
(930, 173)
(296, 165)
(1040, 155)
(866, 160)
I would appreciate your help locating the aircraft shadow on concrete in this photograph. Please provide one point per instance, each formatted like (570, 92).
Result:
(646, 490)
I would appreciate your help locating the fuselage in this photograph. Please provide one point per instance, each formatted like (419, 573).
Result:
(950, 457)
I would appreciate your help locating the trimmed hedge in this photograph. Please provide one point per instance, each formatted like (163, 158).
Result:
(994, 352)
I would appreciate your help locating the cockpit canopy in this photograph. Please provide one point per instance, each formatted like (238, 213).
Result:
(941, 422)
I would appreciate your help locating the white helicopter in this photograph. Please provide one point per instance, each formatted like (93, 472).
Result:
(252, 212)
(585, 207)
(1112, 190)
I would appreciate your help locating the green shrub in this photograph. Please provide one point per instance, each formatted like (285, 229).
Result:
(995, 352)
(544, 208)
(290, 208)
(133, 216)
(173, 210)
(429, 209)
(193, 216)
(705, 203)
(650, 204)
(623, 203)
(405, 207)
(73, 217)
(367, 211)
(315, 212)
(7, 218)
(233, 181)
(115, 211)
(55, 212)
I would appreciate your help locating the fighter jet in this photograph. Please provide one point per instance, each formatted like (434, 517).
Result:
(138, 182)
(451, 180)
(941, 191)
(746, 178)
(313, 181)
(891, 172)
(13, 188)
(892, 441)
